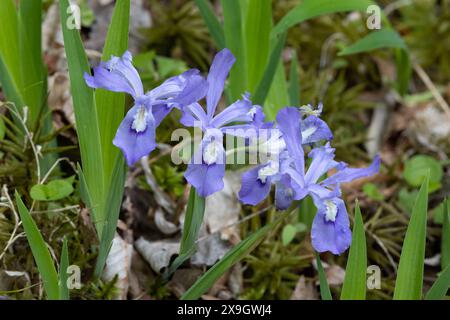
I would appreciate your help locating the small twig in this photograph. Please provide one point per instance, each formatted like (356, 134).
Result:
(434, 91)
(59, 209)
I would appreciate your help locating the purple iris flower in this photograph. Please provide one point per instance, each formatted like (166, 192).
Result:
(136, 134)
(331, 227)
(207, 167)
(285, 142)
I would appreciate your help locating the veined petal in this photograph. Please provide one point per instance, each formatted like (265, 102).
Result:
(289, 120)
(193, 115)
(240, 111)
(322, 161)
(206, 179)
(223, 61)
(315, 129)
(136, 134)
(173, 86)
(253, 190)
(331, 227)
(350, 174)
(118, 75)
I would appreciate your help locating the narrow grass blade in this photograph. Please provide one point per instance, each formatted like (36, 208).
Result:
(440, 287)
(294, 83)
(269, 73)
(85, 115)
(40, 252)
(63, 265)
(257, 37)
(409, 281)
(324, 287)
(111, 105)
(214, 26)
(232, 257)
(233, 27)
(192, 223)
(112, 209)
(313, 8)
(382, 39)
(445, 241)
(354, 287)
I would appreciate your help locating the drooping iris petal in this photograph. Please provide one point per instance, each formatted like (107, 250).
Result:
(207, 179)
(253, 190)
(136, 134)
(194, 90)
(349, 174)
(240, 111)
(223, 61)
(315, 129)
(289, 120)
(331, 227)
(118, 75)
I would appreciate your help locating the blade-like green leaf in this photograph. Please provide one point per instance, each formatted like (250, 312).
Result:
(409, 281)
(234, 39)
(214, 26)
(354, 287)
(112, 209)
(440, 286)
(294, 83)
(308, 9)
(269, 73)
(31, 66)
(9, 53)
(307, 211)
(257, 38)
(85, 115)
(375, 40)
(231, 258)
(40, 252)
(111, 105)
(192, 223)
(445, 241)
(324, 287)
(387, 38)
(63, 265)
(9, 39)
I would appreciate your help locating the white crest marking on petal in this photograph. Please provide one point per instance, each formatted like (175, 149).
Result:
(308, 132)
(211, 152)
(331, 211)
(140, 120)
(269, 170)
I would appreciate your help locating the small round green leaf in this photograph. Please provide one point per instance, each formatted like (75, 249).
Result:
(54, 190)
(416, 170)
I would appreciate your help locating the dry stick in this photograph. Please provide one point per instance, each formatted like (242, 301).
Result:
(430, 86)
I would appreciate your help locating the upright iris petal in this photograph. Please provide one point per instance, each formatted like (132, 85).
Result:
(207, 167)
